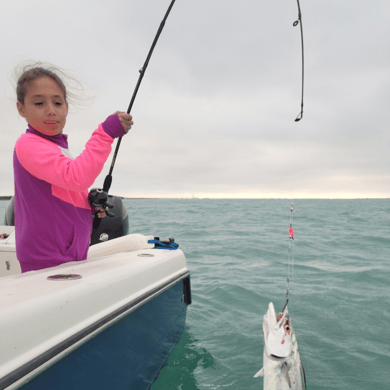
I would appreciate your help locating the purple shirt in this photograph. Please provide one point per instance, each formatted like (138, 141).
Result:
(53, 219)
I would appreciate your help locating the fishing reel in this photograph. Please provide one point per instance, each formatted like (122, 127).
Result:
(98, 198)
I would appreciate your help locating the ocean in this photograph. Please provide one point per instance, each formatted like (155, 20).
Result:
(237, 254)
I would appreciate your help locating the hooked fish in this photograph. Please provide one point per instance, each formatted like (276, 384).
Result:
(282, 366)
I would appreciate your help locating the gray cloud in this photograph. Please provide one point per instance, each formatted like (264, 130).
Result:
(215, 112)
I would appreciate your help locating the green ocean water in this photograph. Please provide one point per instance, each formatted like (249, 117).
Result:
(237, 253)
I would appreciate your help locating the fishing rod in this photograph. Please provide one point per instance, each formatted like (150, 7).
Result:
(299, 21)
(108, 179)
(98, 197)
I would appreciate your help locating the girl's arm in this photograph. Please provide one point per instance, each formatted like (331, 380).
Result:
(46, 160)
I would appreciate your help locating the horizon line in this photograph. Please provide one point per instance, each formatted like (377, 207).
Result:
(8, 197)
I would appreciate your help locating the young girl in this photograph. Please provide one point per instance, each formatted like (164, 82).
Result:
(53, 219)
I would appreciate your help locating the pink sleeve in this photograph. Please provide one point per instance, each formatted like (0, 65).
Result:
(45, 160)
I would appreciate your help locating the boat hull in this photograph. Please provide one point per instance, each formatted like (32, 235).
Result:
(127, 355)
(113, 327)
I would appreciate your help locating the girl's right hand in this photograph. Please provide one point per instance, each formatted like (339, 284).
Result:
(125, 119)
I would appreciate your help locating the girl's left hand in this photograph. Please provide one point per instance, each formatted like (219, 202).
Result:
(101, 213)
(125, 119)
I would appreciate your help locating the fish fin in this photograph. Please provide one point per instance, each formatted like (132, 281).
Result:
(259, 373)
(287, 374)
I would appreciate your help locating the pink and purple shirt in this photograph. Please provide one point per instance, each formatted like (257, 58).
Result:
(53, 219)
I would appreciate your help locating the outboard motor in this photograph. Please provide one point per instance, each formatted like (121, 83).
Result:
(111, 227)
(9, 217)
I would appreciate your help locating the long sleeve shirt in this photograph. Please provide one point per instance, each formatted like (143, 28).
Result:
(53, 219)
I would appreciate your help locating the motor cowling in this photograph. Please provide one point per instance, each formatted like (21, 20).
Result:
(111, 227)
(9, 216)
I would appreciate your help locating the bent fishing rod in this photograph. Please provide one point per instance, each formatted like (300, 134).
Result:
(299, 21)
(108, 179)
(98, 197)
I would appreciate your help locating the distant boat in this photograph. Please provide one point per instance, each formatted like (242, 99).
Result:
(108, 322)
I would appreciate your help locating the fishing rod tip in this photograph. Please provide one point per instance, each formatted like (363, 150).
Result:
(299, 117)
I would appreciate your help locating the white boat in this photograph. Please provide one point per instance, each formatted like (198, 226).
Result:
(106, 322)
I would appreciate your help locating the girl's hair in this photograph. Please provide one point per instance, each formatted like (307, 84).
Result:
(35, 73)
(28, 71)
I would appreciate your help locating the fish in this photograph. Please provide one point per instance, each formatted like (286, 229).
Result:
(282, 366)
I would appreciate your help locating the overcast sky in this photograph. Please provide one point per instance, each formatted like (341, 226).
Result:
(214, 116)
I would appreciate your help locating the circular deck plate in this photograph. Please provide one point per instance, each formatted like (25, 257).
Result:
(64, 277)
(145, 255)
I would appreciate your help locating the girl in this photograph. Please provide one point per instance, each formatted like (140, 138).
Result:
(53, 219)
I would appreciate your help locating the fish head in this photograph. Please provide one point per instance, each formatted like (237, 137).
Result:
(277, 333)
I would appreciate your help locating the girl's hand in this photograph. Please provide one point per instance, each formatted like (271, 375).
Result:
(101, 213)
(125, 119)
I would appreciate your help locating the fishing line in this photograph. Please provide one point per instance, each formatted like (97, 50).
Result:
(299, 21)
(108, 179)
(290, 263)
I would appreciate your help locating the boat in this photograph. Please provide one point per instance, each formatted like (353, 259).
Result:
(110, 321)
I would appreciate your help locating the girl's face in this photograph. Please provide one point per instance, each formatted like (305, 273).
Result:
(44, 108)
